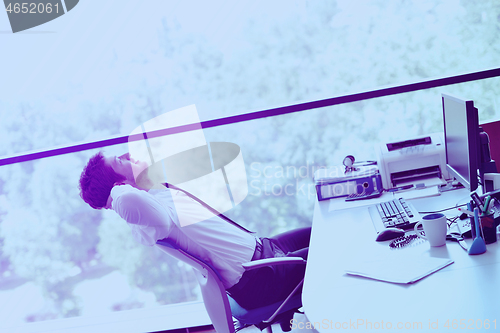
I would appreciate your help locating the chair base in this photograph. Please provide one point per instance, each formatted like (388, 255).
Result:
(284, 319)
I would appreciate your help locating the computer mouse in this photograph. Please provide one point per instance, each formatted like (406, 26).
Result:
(389, 233)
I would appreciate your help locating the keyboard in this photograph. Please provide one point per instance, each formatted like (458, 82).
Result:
(396, 213)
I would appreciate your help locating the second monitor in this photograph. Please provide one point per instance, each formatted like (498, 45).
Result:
(461, 135)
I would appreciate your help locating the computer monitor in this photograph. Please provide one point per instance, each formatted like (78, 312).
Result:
(461, 136)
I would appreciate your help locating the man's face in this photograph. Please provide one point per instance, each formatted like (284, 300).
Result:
(126, 166)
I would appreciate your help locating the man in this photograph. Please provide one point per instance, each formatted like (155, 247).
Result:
(149, 209)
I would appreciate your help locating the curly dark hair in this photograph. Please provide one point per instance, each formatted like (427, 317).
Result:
(97, 180)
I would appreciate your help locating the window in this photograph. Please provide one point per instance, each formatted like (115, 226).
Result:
(89, 81)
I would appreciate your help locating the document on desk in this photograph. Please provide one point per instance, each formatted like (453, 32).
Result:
(397, 267)
(420, 193)
(427, 182)
(340, 203)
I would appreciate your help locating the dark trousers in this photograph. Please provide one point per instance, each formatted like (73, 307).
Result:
(271, 284)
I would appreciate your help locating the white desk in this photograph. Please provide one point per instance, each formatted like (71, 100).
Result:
(468, 289)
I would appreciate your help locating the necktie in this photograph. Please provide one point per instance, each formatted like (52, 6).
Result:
(213, 210)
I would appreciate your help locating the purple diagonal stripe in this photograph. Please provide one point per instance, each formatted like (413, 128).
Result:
(28, 156)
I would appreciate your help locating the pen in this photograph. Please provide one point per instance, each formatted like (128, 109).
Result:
(492, 202)
(477, 201)
(486, 205)
(468, 212)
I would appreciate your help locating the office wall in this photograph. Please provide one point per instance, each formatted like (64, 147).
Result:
(493, 130)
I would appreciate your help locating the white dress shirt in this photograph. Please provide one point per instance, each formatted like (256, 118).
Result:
(153, 215)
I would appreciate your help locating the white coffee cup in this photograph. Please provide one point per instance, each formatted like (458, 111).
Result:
(435, 229)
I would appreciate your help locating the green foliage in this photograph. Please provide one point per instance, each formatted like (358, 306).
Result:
(146, 267)
(116, 246)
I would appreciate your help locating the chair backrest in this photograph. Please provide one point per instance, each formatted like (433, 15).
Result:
(212, 290)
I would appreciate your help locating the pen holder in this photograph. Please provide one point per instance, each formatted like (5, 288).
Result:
(488, 227)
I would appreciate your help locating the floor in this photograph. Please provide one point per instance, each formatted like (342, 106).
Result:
(300, 323)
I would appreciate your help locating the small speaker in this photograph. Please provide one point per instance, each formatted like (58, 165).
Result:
(491, 182)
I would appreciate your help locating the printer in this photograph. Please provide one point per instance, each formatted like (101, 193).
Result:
(412, 161)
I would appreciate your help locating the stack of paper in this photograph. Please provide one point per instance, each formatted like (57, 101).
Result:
(397, 268)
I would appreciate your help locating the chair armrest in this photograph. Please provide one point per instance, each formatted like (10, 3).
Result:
(272, 261)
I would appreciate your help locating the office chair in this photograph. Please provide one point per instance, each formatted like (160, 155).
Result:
(221, 308)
